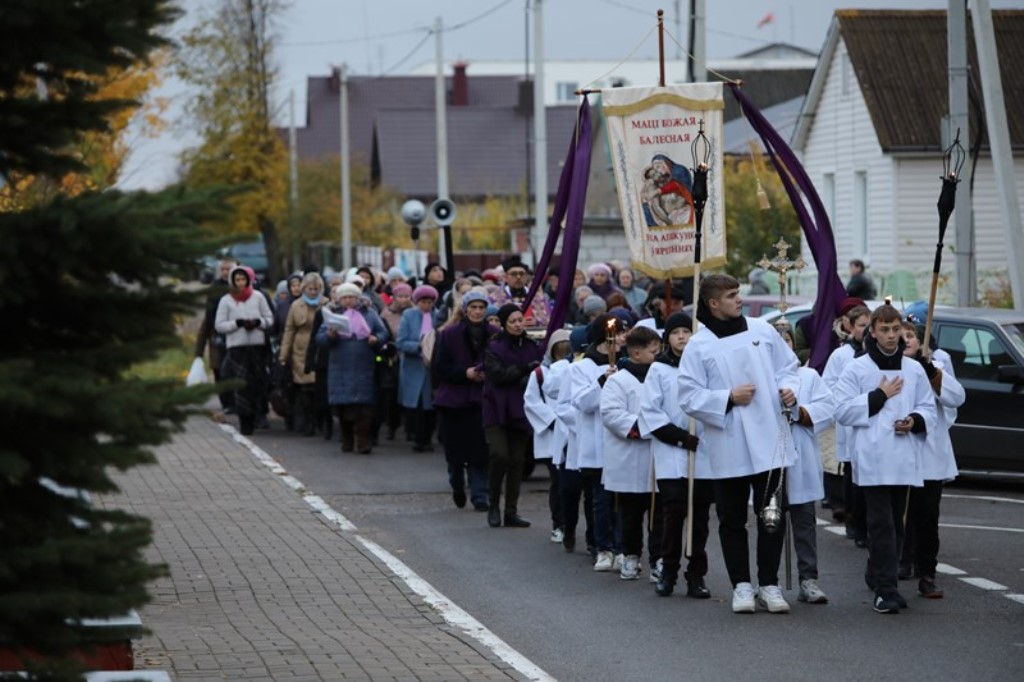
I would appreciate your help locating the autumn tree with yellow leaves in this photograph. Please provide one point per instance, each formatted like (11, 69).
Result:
(227, 59)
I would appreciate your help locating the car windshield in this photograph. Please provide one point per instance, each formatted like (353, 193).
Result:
(253, 249)
(1016, 334)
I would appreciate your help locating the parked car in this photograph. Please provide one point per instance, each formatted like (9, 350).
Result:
(760, 305)
(251, 252)
(987, 349)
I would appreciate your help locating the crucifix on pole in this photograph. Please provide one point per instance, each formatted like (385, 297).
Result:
(782, 264)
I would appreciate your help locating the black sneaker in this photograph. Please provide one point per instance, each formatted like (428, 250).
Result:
(569, 541)
(459, 498)
(666, 586)
(494, 517)
(696, 589)
(900, 600)
(928, 589)
(886, 604)
(516, 521)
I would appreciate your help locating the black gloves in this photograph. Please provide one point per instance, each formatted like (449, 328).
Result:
(250, 324)
(676, 435)
(929, 367)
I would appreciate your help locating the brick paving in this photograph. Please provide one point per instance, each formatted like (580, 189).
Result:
(261, 588)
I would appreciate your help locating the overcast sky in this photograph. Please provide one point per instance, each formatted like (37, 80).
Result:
(391, 36)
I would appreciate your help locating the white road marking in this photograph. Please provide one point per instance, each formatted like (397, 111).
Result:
(1019, 598)
(984, 583)
(837, 530)
(946, 569)
(971, 527)
(440, 603)
(983, 498)
(820, 522)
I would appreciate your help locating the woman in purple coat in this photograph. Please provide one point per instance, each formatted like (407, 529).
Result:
(508, 361)
(458, 370)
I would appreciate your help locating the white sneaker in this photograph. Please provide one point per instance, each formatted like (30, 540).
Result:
(770, 597)
(557, 535)
(630, 569)
(743, 598)
(656, 570)
(604, 561)
(617, 562)
(811, 593)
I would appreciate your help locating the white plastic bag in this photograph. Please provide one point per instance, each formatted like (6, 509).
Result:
(196, 375)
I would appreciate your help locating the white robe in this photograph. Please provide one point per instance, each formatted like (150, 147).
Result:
(566, 414)
(805, 479)
(878, 454)
(748, 439)
(659, 406)
(628, 465)
(837, 362)
(549, 434)
(585, 398)
(939, 463)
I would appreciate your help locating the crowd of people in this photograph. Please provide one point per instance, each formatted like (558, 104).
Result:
(624, 406)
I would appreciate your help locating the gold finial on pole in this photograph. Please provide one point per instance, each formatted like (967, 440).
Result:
(782, 264)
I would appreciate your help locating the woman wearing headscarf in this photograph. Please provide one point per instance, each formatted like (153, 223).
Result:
(352, 332)
(601, 280)
(635, 296)
(458, 367)
(283, 300)
(414, 380)
(298, 332)
(389, 411)
(244, 317)
(508, 361)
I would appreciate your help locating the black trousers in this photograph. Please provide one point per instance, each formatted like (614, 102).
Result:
(507, 446)
(554, 496)
(731, 495)
(921, 541)
(571, 489)
(856, 515)
(421, 422)
(672, 498)
(885, 506)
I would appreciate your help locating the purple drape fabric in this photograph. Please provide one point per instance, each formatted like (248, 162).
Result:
(569, 204)
(817, 230)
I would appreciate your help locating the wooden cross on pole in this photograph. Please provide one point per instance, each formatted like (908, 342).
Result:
(782, 264)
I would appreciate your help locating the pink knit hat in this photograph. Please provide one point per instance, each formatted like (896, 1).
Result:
(424, 291)
(400, 289)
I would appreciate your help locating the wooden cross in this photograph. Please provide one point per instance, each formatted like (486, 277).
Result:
(782, 265)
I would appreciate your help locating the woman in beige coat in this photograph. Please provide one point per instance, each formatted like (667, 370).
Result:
(298, 333)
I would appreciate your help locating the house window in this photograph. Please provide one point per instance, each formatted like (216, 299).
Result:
(860, 213)
(828, 196)
(566, 91)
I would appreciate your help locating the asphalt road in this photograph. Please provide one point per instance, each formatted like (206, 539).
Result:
(577, 624)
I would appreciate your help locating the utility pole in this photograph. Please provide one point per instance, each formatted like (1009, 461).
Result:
(346, 188)
(442, 137)
(697, 70)
(999, 144)
(963, 215)
(679, 28)
(293, 177)
(540, 132)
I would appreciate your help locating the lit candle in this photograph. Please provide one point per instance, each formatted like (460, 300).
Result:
(610, 341)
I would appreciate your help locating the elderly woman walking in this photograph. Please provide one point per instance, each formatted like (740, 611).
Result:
(244, 318)
(459, 368)
(298, 332)
(414, 391)
(352, 331)
(508, 361)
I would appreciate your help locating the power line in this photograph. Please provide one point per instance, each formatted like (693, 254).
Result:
(631, 8)
(409, 54)
(477, 18)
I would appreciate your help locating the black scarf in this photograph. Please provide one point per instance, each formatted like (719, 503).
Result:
(637, 370)
(599, 357)
(720, 328)
(476, 335)
(669, 358)
(885, 362)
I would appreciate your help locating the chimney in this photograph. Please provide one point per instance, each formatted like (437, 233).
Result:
(334, 84)
(460, 86)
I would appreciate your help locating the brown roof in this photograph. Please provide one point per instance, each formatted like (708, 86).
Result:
(900, 61)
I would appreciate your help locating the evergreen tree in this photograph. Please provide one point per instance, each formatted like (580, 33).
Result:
(84, 294)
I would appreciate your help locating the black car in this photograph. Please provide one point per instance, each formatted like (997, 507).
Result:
(987, 349)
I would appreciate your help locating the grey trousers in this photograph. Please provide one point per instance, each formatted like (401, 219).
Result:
(805, 539)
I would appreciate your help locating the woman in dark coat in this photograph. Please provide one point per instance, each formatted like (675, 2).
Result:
(459, 370)
(351, 366)
(508, 361)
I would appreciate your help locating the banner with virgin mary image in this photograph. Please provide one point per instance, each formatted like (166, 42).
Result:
(650, 135)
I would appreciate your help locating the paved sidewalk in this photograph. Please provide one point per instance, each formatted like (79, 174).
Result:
(262, 588)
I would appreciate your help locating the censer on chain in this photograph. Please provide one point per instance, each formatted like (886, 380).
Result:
(771, 514)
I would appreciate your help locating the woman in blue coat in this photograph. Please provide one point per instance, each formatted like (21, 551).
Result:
(414, 376)
(352, 333)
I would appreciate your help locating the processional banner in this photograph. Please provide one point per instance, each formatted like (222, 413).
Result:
(650, 133)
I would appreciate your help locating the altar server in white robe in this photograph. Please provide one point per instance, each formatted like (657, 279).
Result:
(604, 335)
(921, 543)
(549, 434)
(735, 377)
(888, 401)
(662, 418)
(628, 470)
(805, 479)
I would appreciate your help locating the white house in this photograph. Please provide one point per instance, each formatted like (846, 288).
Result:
(870, 138)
